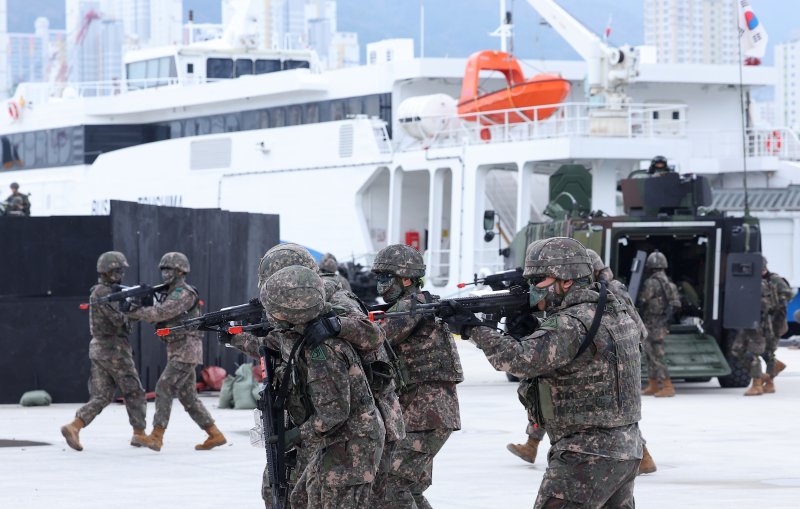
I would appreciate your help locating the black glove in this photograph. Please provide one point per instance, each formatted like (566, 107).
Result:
(459, 319)
(322, 328)
(125, 305)
(224, 337)
(522, 324)
(291, 438)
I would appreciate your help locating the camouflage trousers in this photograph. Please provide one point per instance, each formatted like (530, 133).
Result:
(109, 372)
(384, 469)
(747, 348)
(576, 480)
(412, 470)
(771, 346)
(533, 430)
(655, 354)
(179, 379)
(300, 462)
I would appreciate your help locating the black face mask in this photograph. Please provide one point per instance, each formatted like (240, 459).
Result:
(390, 287)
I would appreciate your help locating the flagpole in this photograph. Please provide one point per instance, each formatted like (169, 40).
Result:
(742, 111)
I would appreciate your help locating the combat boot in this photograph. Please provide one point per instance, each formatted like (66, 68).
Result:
(652, 387)
(647, 465)
(779, 366)
(526, 451)
(667, 391)
(755, 389)
(140, 438)
(767, 385)
(215, 439)
(70, 432)
(156, 438)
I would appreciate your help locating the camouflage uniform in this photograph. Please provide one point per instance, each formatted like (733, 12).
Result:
(17, 204)
(750, 344)
(184, 353)
(343, 430)
(588, 402)
(329, 265)
(782, 294)
(654, 301)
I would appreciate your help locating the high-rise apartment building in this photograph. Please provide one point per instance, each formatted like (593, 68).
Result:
(152, 22)
(692, 31)
(787, 90)
(95, 40)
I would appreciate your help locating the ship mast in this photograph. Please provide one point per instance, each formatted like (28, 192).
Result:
(505, 30)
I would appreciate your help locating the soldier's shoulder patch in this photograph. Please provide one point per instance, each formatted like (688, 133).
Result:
(550, 323)
(339, 310)
(318, 354)
(176, 293)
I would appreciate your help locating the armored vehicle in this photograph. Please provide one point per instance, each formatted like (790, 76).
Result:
(714, 260)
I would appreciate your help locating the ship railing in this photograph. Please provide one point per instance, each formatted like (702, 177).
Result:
(488, 261)
(438, 263)
(577, 119)
(115, 86)
(775, 142)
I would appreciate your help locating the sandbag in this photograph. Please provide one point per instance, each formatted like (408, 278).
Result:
(35, 398)
(226, 392)
(213, 376)
(243, 388)
(257, 391)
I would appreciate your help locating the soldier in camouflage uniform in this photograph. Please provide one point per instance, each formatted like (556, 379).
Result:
(17, 204)
(430, 370)
(782, 294)
(584, 390)
(184, 353)
(111, 357)
(342, 425)
(356, 328)
(750, 344)
(329, 265)
(658, 301)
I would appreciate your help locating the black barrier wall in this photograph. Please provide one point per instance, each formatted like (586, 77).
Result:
(47, 267)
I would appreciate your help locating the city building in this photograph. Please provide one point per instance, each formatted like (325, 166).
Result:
(787, 90)
(32, 57)
(152, 22)
(95, 41)
(344, 50)
(692, 31)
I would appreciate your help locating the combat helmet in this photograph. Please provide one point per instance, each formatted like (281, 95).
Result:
(281, 256)
(658, 164)
(294, 294)
(596, 261)
(14, 186)
(174, 260)
(558, 257)
(656, 260)
(399, 260)
(111, 260)
(328, 264)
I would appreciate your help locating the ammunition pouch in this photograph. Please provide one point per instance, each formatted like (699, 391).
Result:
(380, 375)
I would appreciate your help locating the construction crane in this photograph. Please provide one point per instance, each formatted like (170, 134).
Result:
(609, 69)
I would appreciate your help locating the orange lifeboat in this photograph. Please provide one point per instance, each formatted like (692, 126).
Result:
(520, 94)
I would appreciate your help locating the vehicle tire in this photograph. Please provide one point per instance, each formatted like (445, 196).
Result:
(511, 378)
(698, 379)
(740, 376)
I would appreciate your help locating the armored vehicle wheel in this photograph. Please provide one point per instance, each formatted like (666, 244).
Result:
(739, 377)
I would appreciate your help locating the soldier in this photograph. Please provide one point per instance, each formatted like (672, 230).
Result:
(17, 204)
(111, 357)
(329, 265)
(343, 425)
(750, 344)
(658, 165)
(658, 302)
(431, 369)
(782, 294)
(356, 328)
(184, 353)
(583, 378)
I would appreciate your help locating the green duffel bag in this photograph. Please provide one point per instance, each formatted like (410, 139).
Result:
(226, 392)
(243, 388)
(35, 398)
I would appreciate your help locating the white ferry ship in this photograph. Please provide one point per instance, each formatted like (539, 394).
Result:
(358, 158)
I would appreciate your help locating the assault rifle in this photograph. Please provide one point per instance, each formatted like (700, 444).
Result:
(249, 314)
(141, 295)
(500, 281)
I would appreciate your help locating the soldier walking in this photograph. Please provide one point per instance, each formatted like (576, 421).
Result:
(658, 302)
(750, 344)
(431, 370)
(343, 429)
(111, 357)
(582, 371)
(184, 353)
(782, 293)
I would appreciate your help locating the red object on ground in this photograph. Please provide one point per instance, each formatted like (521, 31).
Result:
(213, 376)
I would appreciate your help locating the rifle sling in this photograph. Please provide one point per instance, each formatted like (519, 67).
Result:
(598, 316)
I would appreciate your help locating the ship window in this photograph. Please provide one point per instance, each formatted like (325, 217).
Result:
(189, 68)
(324, 111)
(295, 115)
(295, 64)
(136, 72)
(676, 115)
(217, 124)
(372, 106)
(267, 66)
(41, 148)
(219, 68)
(337, 110)
(244, 66)
(203, 126)
(276, 117)
(312, 113)
(354, 106)
(152, 72)
(175, 129)
(190, 127)
(231, 123)
(655, 115)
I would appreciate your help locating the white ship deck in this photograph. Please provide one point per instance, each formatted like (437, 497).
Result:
(713, 447)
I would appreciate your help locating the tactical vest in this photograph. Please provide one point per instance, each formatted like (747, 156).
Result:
(429, 353)
(192, 312)
(99, 327)
(603, 392)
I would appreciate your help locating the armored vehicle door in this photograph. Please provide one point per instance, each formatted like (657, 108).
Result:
(637, 270)
(742, 307)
